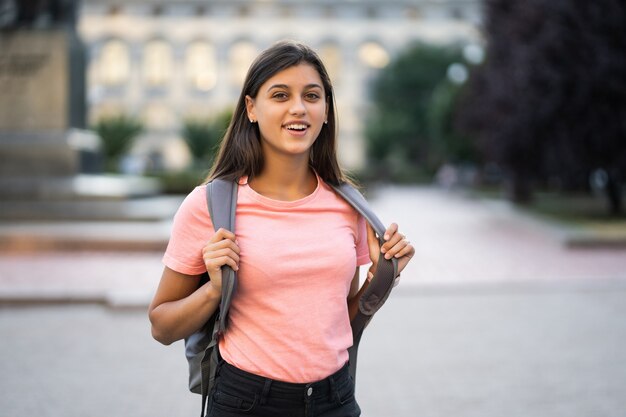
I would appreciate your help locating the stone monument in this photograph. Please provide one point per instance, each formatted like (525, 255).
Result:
(42, 97)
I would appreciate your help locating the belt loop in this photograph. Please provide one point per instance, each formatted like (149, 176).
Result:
(266, 391)
(333, 387)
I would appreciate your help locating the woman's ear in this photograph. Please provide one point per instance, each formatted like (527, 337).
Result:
(250, 109)
(327, 107)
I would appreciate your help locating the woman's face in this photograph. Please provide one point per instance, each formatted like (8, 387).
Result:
(290, 109)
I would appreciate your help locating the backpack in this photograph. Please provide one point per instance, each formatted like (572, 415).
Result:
(200, 349)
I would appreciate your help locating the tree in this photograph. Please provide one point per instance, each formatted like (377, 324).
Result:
(397, 130)
(447, 142)
(550, 100)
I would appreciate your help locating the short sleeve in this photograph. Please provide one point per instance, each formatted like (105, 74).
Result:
(362, 250)
(191, 229)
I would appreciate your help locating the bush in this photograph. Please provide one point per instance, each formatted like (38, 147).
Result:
(203, 137)
(117, 135)
(181, 182)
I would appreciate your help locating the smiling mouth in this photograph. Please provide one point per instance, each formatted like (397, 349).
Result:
(297, 127)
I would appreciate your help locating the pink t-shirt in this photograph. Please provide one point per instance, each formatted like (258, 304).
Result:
(289, 317)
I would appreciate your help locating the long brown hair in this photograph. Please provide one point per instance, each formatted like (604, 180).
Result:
(240, 151)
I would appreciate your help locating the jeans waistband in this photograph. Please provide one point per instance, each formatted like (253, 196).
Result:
(268, 386)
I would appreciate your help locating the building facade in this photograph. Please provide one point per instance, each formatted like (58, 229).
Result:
(168, 61)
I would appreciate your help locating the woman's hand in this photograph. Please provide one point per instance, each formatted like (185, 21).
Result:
(396, 245)
(220, 250)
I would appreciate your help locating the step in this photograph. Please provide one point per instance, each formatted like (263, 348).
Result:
(77, 235)
(153, 208)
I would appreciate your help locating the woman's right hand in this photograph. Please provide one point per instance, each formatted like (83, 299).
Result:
(220, 250)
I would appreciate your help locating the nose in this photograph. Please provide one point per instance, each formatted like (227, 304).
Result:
(297, 106)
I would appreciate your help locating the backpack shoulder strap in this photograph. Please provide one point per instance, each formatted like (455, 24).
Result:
(222, 204)
(221, 196)
(377, 292)
(381, 284)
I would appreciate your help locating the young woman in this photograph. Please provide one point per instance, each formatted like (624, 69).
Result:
(297, 247)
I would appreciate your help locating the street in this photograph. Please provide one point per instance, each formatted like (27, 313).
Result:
(492, 352)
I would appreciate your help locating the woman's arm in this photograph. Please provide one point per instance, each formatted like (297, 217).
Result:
(355, 294)
(179, 307)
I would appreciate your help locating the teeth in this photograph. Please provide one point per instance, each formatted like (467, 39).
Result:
(296, 127)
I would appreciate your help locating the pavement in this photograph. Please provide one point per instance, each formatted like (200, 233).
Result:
(496, 315)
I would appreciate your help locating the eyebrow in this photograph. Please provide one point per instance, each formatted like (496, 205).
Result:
(286, 87)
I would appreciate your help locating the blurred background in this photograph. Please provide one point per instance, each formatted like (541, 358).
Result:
(493, 132)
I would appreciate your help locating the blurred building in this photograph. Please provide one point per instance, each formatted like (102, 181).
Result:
(167, 61)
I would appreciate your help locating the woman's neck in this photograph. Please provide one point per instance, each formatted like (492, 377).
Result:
(285, 180)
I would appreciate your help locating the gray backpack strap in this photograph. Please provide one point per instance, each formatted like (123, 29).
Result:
(222, 204)
(224, 195)
(381, 285)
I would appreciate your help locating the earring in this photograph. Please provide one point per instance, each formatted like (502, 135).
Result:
(252, 121)
(325, 122)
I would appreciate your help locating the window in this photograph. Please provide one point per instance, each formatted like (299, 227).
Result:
(113, 66)
(105, 110)
(331, 56)
(373, 55)
(158, 116)
(201, 66)
(157, 63)
(241, 56)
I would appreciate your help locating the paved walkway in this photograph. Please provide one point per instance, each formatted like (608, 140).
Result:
(495, 317)
(460, 243)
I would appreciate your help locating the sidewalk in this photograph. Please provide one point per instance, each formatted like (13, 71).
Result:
(460, 243)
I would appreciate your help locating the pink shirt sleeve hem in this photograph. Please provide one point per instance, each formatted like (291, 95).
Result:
(178, 266)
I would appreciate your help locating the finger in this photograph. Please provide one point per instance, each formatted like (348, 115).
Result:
(406, 249)
(222, 234)
(393, 228)
(222, 244)
(216, 263)
(397, 249)
(227, 260)
(392, 242)
(222, 252)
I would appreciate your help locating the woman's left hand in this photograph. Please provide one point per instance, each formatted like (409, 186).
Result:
(396, 245)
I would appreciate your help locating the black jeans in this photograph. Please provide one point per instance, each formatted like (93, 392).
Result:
(240, 393)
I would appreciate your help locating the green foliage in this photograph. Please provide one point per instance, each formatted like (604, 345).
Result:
(447, 144)
(548, 103)
(181, 182)
(203, 136)
(117, 134)
(398, 129)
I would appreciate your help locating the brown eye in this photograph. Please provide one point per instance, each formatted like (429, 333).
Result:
(312, 96)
